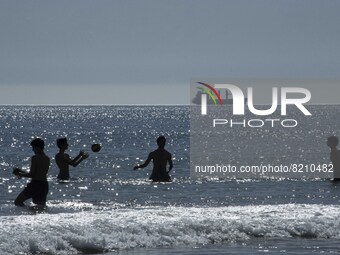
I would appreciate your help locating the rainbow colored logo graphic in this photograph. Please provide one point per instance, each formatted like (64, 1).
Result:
(213, 94)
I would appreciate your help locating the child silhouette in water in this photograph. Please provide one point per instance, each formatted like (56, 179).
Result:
(160, 158)
(63, 160)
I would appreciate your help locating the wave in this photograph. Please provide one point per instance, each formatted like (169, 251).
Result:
(101, 229)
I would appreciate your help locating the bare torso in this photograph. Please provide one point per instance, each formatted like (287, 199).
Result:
(39, 167)
(62, 160)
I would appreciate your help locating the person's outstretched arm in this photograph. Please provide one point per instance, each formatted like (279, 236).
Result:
(76, 161)
(20, 173)
(146, 163)
(170, 163)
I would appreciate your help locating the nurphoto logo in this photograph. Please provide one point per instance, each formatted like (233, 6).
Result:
(211, 95)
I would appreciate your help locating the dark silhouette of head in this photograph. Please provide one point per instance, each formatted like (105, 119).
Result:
(332, 141)
(61, 142)
(161, 141)
(38, 143)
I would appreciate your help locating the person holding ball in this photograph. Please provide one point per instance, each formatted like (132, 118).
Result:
(63, 160)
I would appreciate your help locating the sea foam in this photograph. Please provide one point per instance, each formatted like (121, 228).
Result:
(107, 229)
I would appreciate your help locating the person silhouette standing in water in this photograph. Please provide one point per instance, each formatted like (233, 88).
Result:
(63, 160)
(37, 189)
(160, 158)
(332, 142)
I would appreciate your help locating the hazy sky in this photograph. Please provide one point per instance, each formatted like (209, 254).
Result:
(136, 52)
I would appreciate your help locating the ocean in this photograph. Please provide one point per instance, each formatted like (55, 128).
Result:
(109, 208)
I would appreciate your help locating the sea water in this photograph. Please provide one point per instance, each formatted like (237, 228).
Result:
(107, 207)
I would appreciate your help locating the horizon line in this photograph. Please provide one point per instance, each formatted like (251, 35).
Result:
(135, 104)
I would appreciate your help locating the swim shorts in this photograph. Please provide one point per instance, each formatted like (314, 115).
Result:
(37, 190)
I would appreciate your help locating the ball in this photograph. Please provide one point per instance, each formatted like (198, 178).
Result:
(95, 147)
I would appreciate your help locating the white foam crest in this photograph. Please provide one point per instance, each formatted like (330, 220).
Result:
(103, 230)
